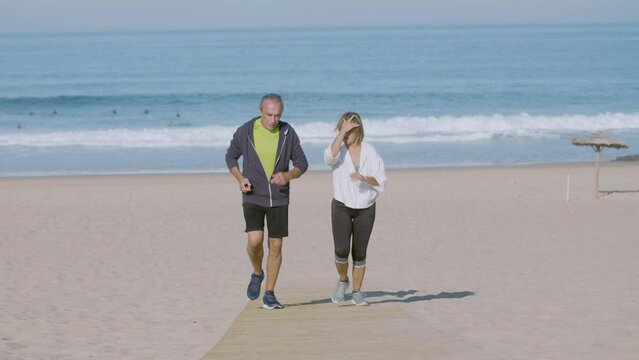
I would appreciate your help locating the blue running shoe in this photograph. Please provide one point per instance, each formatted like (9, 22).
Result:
(270, 301)
(253, 289)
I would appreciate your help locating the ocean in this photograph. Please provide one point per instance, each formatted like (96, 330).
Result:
(431, 96)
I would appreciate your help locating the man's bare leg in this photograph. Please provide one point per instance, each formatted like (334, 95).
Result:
(255, 250)
(274, 262)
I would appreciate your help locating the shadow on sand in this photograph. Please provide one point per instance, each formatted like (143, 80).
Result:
(603, 193)
(370, 295)
(403, 296)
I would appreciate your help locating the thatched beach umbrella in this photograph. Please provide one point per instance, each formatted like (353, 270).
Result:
(597, 141)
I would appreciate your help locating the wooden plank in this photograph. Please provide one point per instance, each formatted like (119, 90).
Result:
(311, 327)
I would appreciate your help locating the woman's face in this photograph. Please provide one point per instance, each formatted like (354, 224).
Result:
(350, 138)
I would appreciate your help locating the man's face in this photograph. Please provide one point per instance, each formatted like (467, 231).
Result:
(271, 113)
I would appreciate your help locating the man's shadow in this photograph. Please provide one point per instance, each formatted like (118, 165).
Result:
(402, 296)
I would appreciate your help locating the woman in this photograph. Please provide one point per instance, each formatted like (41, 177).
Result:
(358, 177)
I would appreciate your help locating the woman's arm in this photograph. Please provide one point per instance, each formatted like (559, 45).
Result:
(375, 167)
(347, 125)
(371, 180)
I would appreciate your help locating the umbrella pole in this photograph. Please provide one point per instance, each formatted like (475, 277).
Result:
(597, 153)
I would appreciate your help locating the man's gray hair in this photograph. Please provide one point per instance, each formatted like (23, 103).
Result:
(273, 97)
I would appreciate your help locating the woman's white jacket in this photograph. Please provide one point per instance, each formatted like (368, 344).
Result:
(354, 193)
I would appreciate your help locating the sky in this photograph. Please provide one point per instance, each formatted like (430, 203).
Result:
(17, 16)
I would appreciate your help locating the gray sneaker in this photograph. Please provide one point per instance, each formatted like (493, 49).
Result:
(340, 290)
(358, 298)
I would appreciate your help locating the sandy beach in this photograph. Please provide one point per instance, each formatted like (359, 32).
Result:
(154, 266)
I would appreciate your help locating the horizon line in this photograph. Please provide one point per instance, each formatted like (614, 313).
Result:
(313, 27)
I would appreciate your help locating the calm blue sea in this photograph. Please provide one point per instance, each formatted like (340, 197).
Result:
(430, 96)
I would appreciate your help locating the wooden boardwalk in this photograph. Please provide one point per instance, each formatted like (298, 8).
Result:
(311, 327)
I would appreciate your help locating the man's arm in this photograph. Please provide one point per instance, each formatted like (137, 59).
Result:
(234, 151)
(283, 178)
(297, 155)
(300, 164)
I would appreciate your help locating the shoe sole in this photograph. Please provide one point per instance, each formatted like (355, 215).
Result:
(272, 307)
(356, 304)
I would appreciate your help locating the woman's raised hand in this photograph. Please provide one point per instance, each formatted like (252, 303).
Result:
(348, 124)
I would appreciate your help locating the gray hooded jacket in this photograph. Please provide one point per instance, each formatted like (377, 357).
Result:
(288, 149)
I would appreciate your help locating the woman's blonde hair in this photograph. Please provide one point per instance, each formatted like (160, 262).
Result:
(358, 131)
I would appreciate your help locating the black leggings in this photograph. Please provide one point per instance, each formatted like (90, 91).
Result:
(348, 222)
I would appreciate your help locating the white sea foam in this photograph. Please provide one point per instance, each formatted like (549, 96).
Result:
(399, 130)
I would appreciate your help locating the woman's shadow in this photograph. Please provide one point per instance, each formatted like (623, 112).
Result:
(402, 296)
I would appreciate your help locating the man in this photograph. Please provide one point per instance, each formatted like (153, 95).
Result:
(266, 146)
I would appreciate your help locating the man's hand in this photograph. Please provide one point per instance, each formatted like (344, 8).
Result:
(280, 178)
(245, 185)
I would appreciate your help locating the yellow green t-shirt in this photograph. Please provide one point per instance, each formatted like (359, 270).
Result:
(266, 146)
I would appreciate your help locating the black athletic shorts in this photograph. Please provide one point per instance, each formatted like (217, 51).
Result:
(276, 219)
